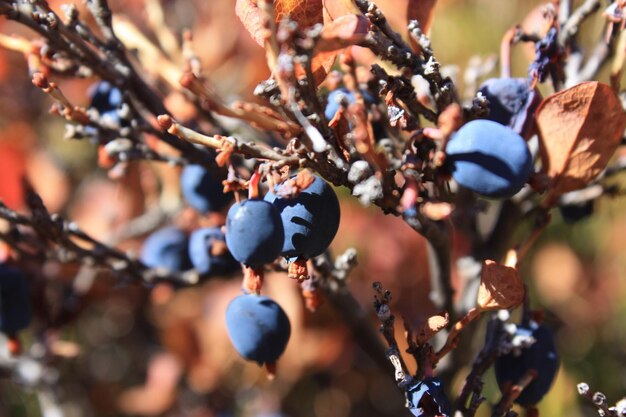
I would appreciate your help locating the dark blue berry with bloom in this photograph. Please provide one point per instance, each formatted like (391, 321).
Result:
(258, 328)
(167, 248)
(201, 191)
(209, 254)
(254, 232)
(489, 159)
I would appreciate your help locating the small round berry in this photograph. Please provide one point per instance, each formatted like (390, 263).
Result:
(107, 99)
(511, 101)
(202, 191)
(489, 159)
(254, 232)
(427, 398)
(310, 220)
(15, 302)
(258, 328)
(209, 254)
(167, 248)
(540, 356)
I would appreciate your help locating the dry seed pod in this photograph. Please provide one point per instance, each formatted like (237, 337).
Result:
(579, 129)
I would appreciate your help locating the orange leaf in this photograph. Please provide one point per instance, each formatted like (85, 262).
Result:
(579, 129)
(431, 327)
(342, 32)
(305, 12)
(500, 287)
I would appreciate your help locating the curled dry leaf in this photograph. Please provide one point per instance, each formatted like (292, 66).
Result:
(500, 287)
(342, 32)
(431, 327)
(579, 130)
(305, 12)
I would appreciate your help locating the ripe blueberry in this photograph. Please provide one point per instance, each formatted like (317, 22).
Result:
(427, 398)
(511, 102)
(258, 328)
(573, 213)
(254, 232)
(489, 159)
(208, 252)
(15, 309)
(201, 191)
(107, 99)
(540, 356)
(166, 248)
(337, 96)
(310, 220)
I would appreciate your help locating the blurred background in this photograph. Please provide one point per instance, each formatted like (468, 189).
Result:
(138, 350)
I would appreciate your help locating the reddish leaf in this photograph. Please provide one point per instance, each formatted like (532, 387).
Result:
(305, 12)
(579, 129)
(342, 32)
(334, 9)
(500, 287)
(422, 11)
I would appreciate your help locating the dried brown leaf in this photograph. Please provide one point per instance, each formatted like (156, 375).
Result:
(579, 129)
(500, 287)
(305, 12)
(431, 327)
(342, 32)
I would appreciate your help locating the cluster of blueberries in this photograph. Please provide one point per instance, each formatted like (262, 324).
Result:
(257, 232)
(489, 157)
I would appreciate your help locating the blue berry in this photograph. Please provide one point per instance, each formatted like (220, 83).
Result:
(427, 398)
(15, 309)
(573, 213)
(337, 96)
(202, 244)
(310, 220)
(254, 232)
(511, 102)
(107, 99)
(258, 328)
(540, 356)
(489, 159)
(202, 191)
(166, 248)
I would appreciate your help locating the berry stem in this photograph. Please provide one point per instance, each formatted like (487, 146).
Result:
(452, 340)
(271, 370)
(513, 392)
(14, 345)
(298, 270)
(252, 280)
(253, 185)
